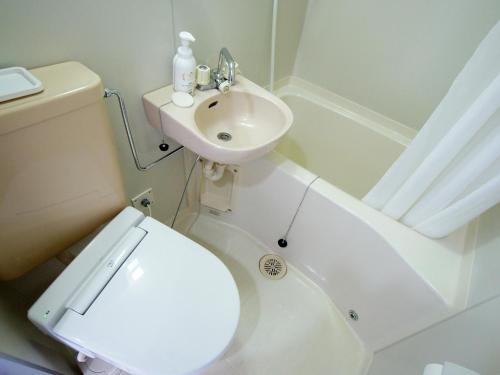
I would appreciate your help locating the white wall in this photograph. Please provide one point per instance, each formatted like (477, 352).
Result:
(485, 281)
(471, 338)
(243, 26)
(397, 57)
(130, 45)
(289, 27)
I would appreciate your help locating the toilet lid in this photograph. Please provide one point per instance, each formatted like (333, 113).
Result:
(172, 308)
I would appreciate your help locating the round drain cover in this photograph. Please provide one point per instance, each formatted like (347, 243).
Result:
(223, 136)
(272, 266)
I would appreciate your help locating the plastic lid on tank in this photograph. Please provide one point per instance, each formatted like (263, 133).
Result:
(67, 86)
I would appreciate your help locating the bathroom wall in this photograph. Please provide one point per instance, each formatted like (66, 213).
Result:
(485, 281)
(243, 26)
(289, 28)
(130, 45)
(397, 57)
(471, 338)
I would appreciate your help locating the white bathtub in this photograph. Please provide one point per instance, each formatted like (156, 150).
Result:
(397, 280)
(347, 145)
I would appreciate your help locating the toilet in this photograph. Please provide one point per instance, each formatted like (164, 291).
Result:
(143, 299)
(140, 298)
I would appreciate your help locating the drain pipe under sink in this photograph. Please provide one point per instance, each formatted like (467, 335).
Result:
(213, 170)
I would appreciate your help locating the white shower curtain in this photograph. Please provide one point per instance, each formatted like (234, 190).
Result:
(450, 173)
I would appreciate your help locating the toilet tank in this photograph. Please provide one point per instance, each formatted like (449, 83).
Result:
(59, 173)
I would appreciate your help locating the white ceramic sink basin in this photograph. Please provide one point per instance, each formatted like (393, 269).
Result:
(231, 128)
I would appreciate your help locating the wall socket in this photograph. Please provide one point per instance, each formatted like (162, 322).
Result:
(147, 194)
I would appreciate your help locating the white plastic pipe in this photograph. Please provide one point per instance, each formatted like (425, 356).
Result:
(213, 171)
(273, 45)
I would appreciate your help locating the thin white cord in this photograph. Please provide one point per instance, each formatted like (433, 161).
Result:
(150, 211)
(273, 45)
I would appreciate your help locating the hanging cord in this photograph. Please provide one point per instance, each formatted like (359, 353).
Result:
(282, 242)
(184, 191)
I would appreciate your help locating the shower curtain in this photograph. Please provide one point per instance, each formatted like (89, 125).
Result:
(450, 173)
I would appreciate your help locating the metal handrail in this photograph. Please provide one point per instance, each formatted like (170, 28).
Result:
(110, 92)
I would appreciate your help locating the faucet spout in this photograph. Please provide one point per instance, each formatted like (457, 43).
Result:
(218, 78)
(225, 56)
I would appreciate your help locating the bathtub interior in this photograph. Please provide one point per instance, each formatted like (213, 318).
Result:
(398, 281)
(337, 140)
(362, 259)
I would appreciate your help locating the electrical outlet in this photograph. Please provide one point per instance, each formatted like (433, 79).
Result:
(147, 194)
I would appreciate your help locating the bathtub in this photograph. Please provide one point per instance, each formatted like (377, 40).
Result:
(396, 280)
(338, 139)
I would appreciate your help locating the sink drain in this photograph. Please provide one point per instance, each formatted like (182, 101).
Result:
(225, 137)
(272, 266)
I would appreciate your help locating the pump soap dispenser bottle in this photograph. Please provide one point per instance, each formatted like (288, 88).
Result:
(184, 65)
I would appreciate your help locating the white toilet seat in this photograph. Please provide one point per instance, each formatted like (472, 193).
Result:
(171, 308)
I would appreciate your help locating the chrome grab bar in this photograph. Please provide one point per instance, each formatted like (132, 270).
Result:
(110, 92)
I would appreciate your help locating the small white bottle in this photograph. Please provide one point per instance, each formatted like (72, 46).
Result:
(184, 65)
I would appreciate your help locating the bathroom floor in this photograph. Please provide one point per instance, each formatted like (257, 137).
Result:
(287, 326)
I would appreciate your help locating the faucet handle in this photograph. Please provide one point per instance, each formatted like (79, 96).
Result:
(203, 75)
(224, 87)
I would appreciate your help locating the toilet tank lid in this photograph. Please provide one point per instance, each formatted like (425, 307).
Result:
(67, 87)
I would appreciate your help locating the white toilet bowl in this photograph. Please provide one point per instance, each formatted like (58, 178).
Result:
(144, 299)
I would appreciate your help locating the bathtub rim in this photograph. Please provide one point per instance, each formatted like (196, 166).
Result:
(374, 121)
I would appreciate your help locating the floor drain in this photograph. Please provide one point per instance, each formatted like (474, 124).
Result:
(272, 266)
(223, 136)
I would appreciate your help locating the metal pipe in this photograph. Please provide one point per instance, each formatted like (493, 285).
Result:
(224, 54)
(110, 92)
(273, 45)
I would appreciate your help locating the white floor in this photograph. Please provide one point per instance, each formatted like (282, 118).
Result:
(288, 326)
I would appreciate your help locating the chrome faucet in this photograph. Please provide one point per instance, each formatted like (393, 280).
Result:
(218, 80)
(224, 55)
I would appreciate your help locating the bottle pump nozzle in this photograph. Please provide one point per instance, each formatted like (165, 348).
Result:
(186, 37)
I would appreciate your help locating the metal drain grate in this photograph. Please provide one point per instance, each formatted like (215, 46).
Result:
(272, 266)
(225, 137)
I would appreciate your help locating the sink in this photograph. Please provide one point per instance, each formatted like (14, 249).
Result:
(244, 120)
(231, 128)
